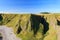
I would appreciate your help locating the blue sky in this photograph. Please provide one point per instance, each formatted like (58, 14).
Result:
(30, 6)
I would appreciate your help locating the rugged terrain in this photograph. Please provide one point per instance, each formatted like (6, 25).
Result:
(33, 26)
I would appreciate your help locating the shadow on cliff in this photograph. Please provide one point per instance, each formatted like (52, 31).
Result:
(1, 18)
(35, 21)
(58, 22)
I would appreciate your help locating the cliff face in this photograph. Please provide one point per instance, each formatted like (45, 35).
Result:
(31, 26)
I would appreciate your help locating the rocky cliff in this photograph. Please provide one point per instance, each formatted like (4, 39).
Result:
(32, 26)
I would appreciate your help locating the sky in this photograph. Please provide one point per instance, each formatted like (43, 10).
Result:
(29, 6)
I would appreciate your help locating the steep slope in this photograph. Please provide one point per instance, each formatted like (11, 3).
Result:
(30, 26)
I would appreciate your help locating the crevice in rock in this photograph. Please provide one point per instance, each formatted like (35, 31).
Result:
(58, 22)
(19, 30)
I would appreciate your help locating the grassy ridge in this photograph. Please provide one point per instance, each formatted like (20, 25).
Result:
(23, 21)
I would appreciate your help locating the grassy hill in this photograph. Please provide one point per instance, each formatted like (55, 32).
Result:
(31, 26)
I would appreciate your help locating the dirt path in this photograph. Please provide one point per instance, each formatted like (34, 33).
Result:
(7, 33)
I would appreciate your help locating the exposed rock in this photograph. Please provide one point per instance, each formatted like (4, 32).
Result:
(7, 33)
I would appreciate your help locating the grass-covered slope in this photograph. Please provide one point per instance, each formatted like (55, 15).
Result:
(30, 26)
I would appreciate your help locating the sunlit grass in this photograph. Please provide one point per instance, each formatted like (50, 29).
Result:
(27, 34)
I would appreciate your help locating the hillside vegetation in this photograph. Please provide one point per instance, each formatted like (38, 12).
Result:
(31, 26)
